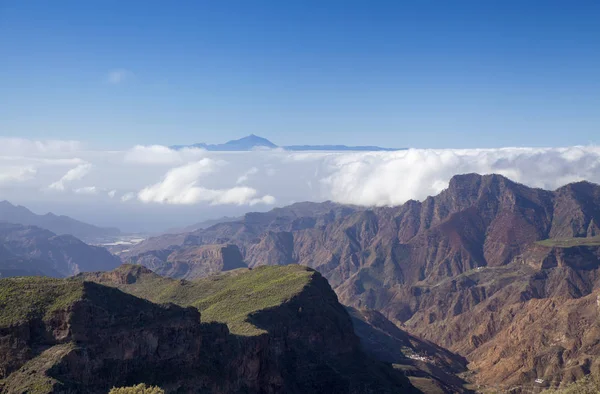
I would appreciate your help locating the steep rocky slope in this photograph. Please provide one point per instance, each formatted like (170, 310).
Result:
(430, 368)
(232, 297)
(250, 227)
(12, 265)
(192, 262)
(34, 251)
(449, 268)
(270, 330)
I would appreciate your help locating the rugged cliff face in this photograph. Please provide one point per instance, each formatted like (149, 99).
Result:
(288, 335)
(429, 367)
(448, 268)
(192, 262)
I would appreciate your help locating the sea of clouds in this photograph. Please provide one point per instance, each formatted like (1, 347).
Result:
(45, 173)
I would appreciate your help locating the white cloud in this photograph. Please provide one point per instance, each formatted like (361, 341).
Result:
(12, 174)
(246, 175)
(73, 174)
(267, 200)
(127, 196)
(200, 183)
(159, 154)
(392, 178)
(35, 148)
(118, 76)
(89, 190)
(179, 186)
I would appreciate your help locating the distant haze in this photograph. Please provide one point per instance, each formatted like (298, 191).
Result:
(152, 188)
(254, 142)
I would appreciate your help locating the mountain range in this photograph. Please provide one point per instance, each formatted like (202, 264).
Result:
(489, 269)
(30, 250)
(57, 224)
(490, 285)
(266, 330)
(254, 142)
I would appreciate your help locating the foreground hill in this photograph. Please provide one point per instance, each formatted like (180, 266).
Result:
(462, 269)
(270, 330)
(29, 250)
(60, 225)
(237, 297)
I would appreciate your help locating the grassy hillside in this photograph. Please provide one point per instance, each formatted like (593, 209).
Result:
(226, 298)
(139, 389)
(24, 298)
(570, 242)
(587, 385)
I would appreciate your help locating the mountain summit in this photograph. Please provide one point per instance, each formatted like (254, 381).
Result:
(254, 142)
(505, 275)
(250, 142)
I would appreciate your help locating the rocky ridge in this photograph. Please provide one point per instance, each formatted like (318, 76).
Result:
(75, 335)
(451, 268)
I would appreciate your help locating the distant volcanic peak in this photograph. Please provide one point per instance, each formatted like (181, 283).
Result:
(247, 143)
(253, 141)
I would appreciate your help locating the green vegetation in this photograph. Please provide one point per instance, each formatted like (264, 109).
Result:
(139, 389)
(226, 298)
(33, 376)
(587, 385)
(229, 297)
(570, 242)
(35, 297)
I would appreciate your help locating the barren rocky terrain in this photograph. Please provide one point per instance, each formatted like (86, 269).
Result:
(498, 272)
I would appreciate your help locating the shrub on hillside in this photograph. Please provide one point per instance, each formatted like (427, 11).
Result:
(587, 385)
(139, 389)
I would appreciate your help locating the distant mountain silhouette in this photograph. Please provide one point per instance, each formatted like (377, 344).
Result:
(254, 142)
(250, 142)
(57, 224)
(338, 148)
(30, 250)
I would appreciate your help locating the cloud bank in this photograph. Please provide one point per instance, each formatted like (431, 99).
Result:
(180, 186)
(13, 174)
(11, 147)
(73, 174)
(151, 179)
(392, 178)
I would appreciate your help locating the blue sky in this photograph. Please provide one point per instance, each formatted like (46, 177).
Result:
(440, 74)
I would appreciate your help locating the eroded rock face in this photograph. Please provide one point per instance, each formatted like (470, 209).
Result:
(447, 268)
(192, 262)
(107, 338)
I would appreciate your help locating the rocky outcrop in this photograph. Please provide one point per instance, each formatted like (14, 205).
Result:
(72, 335)
(426, 364)
(191, 262)
(201, 261)
(445, 267)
